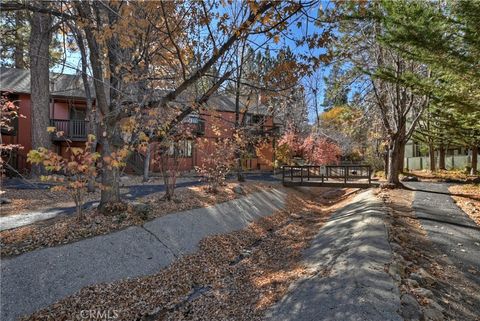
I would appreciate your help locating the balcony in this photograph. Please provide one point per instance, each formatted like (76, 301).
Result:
(74, 130)
(263, 130)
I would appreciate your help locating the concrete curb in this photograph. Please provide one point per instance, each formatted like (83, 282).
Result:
(37, 279)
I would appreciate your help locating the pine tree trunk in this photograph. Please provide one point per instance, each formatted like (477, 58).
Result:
(431, 151)
(474, 169)
(40, 38)
(441, 158)
(18, 54)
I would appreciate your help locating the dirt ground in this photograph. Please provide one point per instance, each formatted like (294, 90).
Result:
(232, 277)
(24, 200)
(470, 202)
(441, 291)
(440, 175)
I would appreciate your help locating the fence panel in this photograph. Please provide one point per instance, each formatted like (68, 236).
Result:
(451, 162)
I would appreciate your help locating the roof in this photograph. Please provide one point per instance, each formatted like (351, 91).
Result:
(64, 85)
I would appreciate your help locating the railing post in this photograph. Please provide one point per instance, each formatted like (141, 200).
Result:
(291, 173)
(370, 175)
(308, 173)
(283, 174)
(346, 173)
(301, 174)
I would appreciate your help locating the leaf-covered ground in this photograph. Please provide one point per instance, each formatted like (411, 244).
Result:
(68, 228)
(25, 200)
(232, 277)
(470, 203)
(440, 175)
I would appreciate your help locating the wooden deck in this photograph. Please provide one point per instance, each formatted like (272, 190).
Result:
(356, 176)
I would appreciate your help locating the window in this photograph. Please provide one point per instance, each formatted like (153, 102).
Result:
(77, 113)
(251, 150)
(182, 149)
(257, 119)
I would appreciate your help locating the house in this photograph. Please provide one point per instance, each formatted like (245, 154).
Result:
(68, 114)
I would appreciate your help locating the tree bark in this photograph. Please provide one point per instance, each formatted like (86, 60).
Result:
(441, 158)
(401, 159)
(40, 38)
(431, 151)
(110, 181)
(238, 156)
(19, 42)
(111, 192)
(474, 169)
(385, 161)
(91, 110)
(393, 171)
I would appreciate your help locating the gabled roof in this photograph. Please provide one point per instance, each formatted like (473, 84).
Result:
(71, 86)
(18, 81)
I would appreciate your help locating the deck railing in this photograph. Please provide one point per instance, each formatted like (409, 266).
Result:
(321, 174)
(71, 128)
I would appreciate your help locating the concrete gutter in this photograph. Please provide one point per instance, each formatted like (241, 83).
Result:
(39, 278)
(348, 259)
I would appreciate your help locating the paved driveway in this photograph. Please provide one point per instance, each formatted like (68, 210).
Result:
(451, 231)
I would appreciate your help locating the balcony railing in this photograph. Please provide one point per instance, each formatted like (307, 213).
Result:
(72, 129)
(264, 130)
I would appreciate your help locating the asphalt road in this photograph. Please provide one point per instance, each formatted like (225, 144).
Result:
(451, 231)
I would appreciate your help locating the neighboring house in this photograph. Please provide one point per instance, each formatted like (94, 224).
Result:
(456, 157)
(68, 114)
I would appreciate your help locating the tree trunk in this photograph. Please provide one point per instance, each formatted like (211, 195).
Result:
(146, 164)
(394, 154)
(441, 158)
(110, 180)
(91, 110)
(240, 176)
(92, 180)
(40, 38)
(473, 171)
(385, 161)
(168, 179)
(19, 42)
(431, 151)
(111, 191)
(401, 158)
